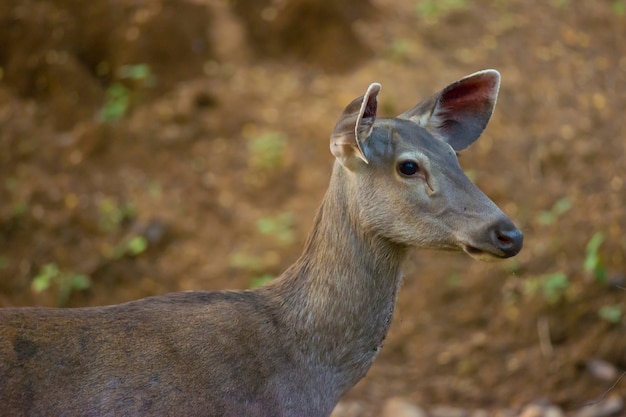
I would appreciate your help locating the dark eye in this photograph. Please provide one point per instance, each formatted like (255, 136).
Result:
(408, 168)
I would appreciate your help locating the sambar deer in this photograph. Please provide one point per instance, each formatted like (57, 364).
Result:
(294, 346)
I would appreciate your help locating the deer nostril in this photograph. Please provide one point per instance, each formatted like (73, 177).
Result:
(509, 240)
(503, 239)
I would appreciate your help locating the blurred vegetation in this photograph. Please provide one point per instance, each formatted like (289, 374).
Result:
(267, 151)
(432, 10)
(280, 229)
(126, 89)
(552, 287)
(593, 263)
(113, 214)
(548, 217)
(51, 278)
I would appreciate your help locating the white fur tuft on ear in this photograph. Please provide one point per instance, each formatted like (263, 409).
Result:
(355, 126)
(366, 118)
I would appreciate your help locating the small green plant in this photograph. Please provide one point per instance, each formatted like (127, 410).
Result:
(257, 265)
(137, 72)
(112, 214)
(548, 217)
(551, 286)
(279, 227)
(593, 263)
(435, 9)
(50, 276)
(116, 104)
(133, 247)
(261, 280)
(136, 246)
(267, 151)
(611, 313)
(619, 7)
(120, 94)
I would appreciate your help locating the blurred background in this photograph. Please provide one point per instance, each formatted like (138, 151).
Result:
(149, 146)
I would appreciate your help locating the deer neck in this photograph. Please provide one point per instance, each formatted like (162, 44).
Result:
(340, 295)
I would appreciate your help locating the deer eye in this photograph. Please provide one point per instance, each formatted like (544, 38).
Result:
(408, 168)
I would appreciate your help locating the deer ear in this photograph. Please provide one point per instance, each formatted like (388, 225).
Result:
(355, 126)
(459, 113)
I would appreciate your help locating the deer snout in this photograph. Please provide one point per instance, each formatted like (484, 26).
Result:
(507, 238)
(499, 240)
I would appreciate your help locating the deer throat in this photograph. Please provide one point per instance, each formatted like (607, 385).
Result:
(341, 311)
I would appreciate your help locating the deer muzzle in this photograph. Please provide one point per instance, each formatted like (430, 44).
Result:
(502, 240)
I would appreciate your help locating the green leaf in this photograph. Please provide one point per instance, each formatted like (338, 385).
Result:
(136, 245)
(40, 283)
(267, 151)
(280, 227)
(562, 206)
(595, 242)
(260, 281)
(116, 103)
(134, 72)
(44, 278)
(554, 286)
(80, 282)
(548, 217)
(611, 313)
(551, 286)
(593, 261)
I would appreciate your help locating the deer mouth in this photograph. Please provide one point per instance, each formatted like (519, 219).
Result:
(481, 254)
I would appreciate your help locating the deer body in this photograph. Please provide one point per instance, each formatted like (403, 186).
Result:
(293, 347)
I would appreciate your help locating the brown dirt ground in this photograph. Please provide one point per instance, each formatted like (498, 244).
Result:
(178, 169)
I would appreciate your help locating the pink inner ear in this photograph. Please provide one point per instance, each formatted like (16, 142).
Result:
(473, 94)
(464, 108)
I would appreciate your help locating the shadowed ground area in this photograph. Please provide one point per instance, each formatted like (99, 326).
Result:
(154, 146)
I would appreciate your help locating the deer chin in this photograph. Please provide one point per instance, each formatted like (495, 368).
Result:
(481, 254)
